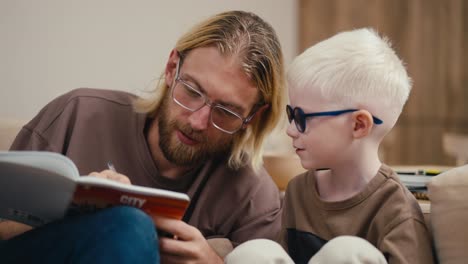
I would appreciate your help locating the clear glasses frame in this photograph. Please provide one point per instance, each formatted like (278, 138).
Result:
(220, 115)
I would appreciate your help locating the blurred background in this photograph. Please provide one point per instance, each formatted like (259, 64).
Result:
(49, 47)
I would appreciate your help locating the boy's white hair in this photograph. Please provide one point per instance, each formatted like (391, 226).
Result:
(355, 68)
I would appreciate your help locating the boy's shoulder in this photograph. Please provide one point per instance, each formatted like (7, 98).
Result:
(395, 200)
(301, 188)
(302, 179)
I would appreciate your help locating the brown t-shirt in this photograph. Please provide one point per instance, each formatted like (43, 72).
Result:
(93, 126)
(385, 213)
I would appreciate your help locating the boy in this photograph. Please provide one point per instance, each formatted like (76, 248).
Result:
(346, 94)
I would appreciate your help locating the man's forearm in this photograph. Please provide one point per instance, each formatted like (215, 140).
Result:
(9, 229)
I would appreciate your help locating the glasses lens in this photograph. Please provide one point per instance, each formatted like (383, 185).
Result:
(225, 119)
(299, 119)
(192, 99)
(187, 96)
(289, 112)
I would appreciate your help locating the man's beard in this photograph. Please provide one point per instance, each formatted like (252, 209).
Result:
(180, 153)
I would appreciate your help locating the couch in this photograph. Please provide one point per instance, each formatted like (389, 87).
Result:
(446, 214)
(8, 129)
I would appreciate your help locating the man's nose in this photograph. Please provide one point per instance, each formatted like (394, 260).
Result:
(200, 119)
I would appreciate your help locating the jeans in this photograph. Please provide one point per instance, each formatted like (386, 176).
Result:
(115, 235)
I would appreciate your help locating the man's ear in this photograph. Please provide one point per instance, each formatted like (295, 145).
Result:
(362, 123)
(171, 67)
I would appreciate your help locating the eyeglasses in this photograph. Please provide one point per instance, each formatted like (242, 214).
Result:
(299, 117)
(192, 99)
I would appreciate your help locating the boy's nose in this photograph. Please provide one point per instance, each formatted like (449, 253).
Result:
(292, 130)
(200, 119)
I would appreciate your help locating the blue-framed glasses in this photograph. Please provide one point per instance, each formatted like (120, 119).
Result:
(299, 117)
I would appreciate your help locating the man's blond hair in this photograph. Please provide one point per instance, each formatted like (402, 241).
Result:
(254, 42)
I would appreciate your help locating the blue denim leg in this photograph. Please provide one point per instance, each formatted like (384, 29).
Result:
(115, 235)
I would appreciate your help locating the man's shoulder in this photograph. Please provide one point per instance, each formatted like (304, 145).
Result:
(81, 102)
(245, 178)
(87, 99)
(246, 173)
(114, 96)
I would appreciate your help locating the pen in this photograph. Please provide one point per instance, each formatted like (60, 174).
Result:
(429, 172)
(111, 167)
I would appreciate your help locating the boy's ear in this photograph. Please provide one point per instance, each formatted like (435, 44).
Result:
(362, 122)
(171, 67)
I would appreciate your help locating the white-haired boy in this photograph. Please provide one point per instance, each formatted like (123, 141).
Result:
(346, 93)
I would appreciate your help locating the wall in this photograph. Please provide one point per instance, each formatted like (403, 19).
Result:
(49, 47)
(431, 36)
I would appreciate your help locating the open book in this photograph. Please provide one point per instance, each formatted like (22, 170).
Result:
(416, 178)
(40, 187)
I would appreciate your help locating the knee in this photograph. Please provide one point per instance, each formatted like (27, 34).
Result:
(126, 218)
(127, 227)
(127, 214)
(262, 251)
(348, 249)
(124, 234)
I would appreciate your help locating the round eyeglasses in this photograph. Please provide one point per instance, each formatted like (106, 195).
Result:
(299, 117)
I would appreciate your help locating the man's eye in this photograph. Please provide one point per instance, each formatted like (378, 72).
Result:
(225, 114)
(191, 92)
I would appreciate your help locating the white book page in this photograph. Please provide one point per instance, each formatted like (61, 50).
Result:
(30, 192)
(95, 181)
(50, 161)
(414, 180)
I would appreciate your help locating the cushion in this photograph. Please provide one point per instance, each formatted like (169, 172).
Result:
(8, 130)
(448, 193)
(282, 167)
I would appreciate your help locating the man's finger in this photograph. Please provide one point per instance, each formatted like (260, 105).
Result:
(111, 175)
(178, 228)
(172, 259)
(175, 247)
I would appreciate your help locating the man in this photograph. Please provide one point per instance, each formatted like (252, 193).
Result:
(201, 133)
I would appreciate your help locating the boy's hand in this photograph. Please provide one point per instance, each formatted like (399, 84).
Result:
(187, 244)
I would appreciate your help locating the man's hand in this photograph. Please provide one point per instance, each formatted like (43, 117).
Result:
(9, 229)
(111, 175)
(187, 244)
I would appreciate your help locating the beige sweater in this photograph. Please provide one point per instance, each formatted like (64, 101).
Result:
(385, 213)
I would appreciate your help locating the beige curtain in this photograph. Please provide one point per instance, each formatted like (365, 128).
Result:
(431, 36)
